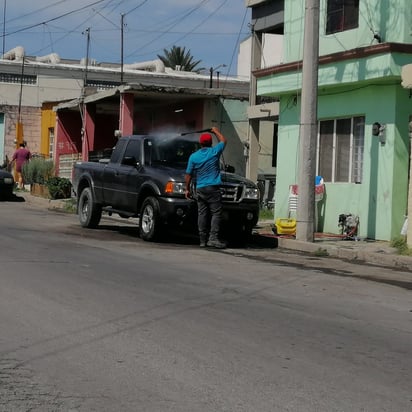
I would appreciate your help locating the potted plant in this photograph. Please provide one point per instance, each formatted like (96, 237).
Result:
(36, 172)
(59, 187)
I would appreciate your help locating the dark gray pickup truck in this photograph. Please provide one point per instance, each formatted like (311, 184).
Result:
(144, 178)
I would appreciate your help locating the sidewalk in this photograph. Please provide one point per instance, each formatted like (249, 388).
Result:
(368, 251)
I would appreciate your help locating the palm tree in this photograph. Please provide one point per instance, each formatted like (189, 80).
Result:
(178, 57)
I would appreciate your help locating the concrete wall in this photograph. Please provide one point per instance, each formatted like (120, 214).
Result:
(272, 54)
(46, 89)
(230, 117)
(391, 19)
(30, 118)
(374, 67)
(380, 200)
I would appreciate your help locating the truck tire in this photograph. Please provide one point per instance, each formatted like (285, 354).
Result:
(90, 213)
(239, 235)
(149, 223)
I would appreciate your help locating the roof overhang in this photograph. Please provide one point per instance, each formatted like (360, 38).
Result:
(355, 54)
(151, 96)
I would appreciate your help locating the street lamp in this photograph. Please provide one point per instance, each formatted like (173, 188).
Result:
(211, 70)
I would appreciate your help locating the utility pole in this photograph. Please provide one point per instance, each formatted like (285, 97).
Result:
(121, 47)
(87, 31)
(305, 225)
(19, 124)
(4, 25)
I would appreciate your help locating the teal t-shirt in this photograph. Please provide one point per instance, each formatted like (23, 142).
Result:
(203, 165)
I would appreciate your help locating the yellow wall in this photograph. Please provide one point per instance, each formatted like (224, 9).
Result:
(48, 120)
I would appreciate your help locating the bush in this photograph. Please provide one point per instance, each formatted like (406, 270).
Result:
(401, 245)
(59, 187)
(38, 170)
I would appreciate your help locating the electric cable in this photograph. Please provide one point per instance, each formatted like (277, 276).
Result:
(54, 18)
(198, 25)
(48, 7)
(191, 11)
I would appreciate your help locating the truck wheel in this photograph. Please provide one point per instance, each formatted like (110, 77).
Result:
(240, 235)
(90, 213)
(149, 223)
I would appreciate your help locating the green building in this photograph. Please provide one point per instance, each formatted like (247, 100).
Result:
(363, 147)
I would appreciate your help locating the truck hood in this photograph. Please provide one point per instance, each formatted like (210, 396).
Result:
(234, 178)
(178, 174)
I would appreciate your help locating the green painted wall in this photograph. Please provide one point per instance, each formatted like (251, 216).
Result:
(369, 87)
(380, 200)
(384, 68)
(390, 18)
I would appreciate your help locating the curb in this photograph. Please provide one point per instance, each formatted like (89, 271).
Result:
(386, 258)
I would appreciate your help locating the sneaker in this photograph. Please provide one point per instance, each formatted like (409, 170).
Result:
(202, 244)
(217, 244)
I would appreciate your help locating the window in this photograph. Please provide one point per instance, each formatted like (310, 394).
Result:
(17, 78)
(133, 149)
(51, 141)
(118, 152)
(341, 15)
(340, 149)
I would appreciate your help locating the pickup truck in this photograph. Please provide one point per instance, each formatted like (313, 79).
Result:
(144, 178)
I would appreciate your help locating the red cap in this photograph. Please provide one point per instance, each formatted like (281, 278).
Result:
(205, 139)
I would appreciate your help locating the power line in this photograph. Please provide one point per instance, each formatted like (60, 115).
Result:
(135, 8)
(48, 7)
(191, 11)
(55, 18)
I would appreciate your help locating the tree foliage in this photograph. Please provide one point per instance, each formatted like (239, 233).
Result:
(179, 56)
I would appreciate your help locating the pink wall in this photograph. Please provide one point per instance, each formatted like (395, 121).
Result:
(100, 128)
(126, 113)
(68, 135)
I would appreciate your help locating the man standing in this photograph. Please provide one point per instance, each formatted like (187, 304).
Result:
(204, 167)
(21, 156)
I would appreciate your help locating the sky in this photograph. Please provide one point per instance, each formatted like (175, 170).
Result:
(211, 29)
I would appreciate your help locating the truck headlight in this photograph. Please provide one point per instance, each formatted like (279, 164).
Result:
(251, 193)
(175, 188)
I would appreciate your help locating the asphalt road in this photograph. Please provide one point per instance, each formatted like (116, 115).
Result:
(98, 320)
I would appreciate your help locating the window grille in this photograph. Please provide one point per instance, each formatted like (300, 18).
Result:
(340, 149)
(17, 78)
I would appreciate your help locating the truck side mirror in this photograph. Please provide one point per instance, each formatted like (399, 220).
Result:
(129, 161)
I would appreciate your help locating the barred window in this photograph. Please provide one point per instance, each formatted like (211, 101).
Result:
(341, 15)
(340, 149)
(17, 78)
(102, 84)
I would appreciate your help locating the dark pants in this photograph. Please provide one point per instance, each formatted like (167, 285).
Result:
(209, 203)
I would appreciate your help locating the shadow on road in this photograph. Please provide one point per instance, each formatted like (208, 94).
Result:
(12, 198)
(176, 237)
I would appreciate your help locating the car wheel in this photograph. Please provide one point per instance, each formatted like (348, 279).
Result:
(90, 213)
(149, 223)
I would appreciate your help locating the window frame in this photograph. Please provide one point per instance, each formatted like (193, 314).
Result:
(346, 12)
(356, 150)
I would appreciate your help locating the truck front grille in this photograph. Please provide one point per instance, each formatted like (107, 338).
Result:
(231, 193)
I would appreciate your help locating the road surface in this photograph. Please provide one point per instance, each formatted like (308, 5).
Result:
(98, 320)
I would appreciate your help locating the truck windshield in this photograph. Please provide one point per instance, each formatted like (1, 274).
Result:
(170, 150)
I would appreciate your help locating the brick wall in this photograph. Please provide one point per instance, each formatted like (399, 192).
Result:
(31, 119)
